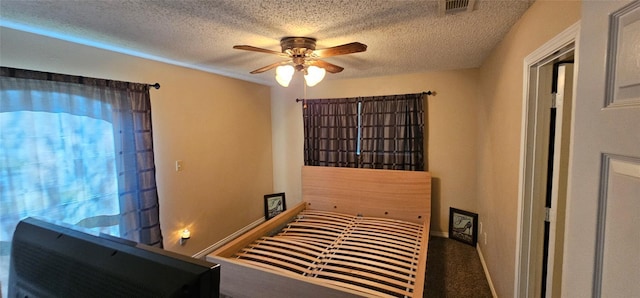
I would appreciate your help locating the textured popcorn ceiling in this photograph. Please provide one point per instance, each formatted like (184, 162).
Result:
(403, 36)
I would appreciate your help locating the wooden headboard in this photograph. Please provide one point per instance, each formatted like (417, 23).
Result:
(403, 195)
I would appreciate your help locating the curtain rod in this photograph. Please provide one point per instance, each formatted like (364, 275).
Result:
(302, 99)
(50, 76)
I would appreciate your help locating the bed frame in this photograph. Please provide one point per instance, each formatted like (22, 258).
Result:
(337, 203)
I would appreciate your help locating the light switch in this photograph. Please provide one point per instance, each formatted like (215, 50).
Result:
(178, 165)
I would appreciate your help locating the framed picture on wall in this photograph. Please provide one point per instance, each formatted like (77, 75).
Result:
(463, 226)
(274, 204)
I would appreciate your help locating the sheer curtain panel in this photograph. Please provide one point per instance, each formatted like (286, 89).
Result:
(78, 150)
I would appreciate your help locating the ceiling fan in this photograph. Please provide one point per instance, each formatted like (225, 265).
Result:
(301, 55)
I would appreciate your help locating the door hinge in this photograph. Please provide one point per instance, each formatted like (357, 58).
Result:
(547, 214)
(554, 103)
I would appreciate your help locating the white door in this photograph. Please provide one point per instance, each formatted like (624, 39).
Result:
(558, 184)
(602, 240)
(541, 229)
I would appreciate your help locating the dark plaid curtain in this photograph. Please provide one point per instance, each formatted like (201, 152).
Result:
(393, 132)
(389, 129)
(331, 132)
(127, 107)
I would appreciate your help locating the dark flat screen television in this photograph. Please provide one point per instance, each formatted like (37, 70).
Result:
(50, 259)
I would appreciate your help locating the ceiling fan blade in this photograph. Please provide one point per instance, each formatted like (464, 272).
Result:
(268, 67)
(332, 68)
(349, 48)
(260, 50)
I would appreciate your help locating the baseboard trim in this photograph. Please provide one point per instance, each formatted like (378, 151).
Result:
(439, 234)
(486, 272)
(203, 253)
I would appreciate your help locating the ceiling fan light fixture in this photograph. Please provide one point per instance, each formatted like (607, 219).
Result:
(313, 75)
(303, 56)
(284, 73)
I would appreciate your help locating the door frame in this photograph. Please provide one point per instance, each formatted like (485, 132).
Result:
(523, 281)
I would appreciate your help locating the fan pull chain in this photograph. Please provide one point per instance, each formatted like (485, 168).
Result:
(305, 89)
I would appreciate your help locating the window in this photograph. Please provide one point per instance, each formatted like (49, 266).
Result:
(331, 132)
(381, 132)
(76, 152)
(56, 165)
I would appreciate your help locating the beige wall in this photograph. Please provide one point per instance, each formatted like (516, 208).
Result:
(451, 134)
(499, 132)
(219, 127)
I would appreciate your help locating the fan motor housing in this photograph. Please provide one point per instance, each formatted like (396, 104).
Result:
(302, 52)
(298, 45)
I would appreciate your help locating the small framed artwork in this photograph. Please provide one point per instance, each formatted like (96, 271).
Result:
(274, 204)
(463, 226)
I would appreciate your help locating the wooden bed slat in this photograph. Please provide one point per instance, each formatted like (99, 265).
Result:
(387, 227)
(376, 243)
(312, 241)
(259, 253)
(325, 238)
(383, 237)
(387, 233)
(392, 222)
(364, 275)
(291, 251)
(378, 270)
(290, 244)
(380, 259)
(356, 234)
(310, 232)
(316, 226)
(327, 215)
(355, 260)
(400, 231)
(352, 279)
(266, 262)
(363, 247)
(317, 221)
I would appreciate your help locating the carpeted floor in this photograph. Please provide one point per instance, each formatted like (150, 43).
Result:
(454, 270)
